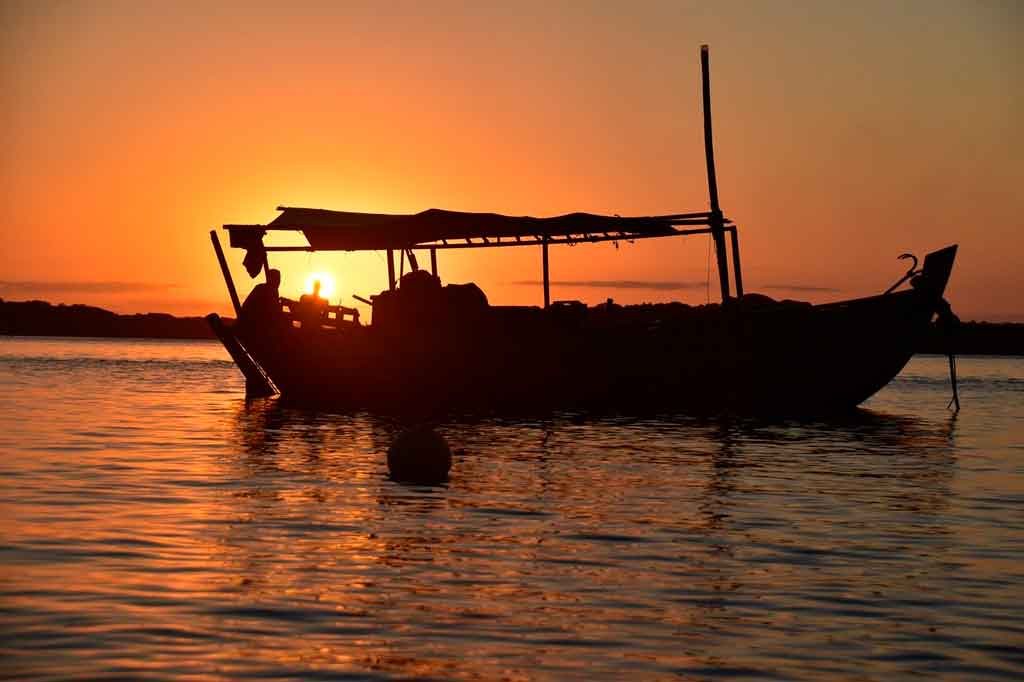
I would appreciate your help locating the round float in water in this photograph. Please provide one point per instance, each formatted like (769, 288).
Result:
(420, 455)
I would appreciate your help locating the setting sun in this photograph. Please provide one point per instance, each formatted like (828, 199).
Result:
(326, 284)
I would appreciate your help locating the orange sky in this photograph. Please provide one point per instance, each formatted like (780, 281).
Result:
(846, 134)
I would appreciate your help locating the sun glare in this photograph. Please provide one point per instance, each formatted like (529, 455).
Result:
(326, 284)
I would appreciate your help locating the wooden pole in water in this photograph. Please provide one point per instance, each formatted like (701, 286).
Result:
(227, 273)
(547, 283)
(717, 224)
(391, 270)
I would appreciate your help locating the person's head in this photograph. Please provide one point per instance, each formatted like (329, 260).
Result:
(316, 288)
(274, 278)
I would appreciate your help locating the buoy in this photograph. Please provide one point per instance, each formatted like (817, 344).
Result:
(420, 455)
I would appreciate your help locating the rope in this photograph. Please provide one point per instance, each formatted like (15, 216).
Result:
(948, 322)
(952, 377)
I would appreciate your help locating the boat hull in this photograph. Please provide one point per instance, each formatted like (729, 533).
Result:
(741, 357)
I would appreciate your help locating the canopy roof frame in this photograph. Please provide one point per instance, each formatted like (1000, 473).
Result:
(531, 240)
(344, 231)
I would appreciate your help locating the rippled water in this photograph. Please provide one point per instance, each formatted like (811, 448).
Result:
(155, 526)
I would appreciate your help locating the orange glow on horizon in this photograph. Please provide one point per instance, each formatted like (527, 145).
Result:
(844, 136)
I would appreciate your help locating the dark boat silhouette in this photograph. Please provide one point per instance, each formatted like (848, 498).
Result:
(443, 347)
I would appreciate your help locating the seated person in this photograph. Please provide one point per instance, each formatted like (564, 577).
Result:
(262, 307)
(312, 309)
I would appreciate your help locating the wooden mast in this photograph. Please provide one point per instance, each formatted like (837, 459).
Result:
(717, 222)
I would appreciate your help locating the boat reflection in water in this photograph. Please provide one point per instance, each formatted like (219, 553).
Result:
(655, 544)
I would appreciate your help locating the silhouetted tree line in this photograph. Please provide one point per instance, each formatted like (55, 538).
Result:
(39, 318)
(976, 338)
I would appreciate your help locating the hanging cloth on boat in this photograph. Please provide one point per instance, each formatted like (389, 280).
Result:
(255, 257)
(255, 254)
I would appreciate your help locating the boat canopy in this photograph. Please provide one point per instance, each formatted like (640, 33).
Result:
(435, 228)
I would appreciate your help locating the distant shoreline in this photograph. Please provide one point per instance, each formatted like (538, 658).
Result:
(39, 318)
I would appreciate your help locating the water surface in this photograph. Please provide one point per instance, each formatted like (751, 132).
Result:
(153, 525)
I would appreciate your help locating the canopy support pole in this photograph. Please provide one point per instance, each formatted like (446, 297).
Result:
(736, 273)
(547, 282)
(391, 270)
(717, 222)
(227, 273)
(433, 262)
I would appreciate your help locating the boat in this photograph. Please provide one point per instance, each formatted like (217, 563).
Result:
(444, 347)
